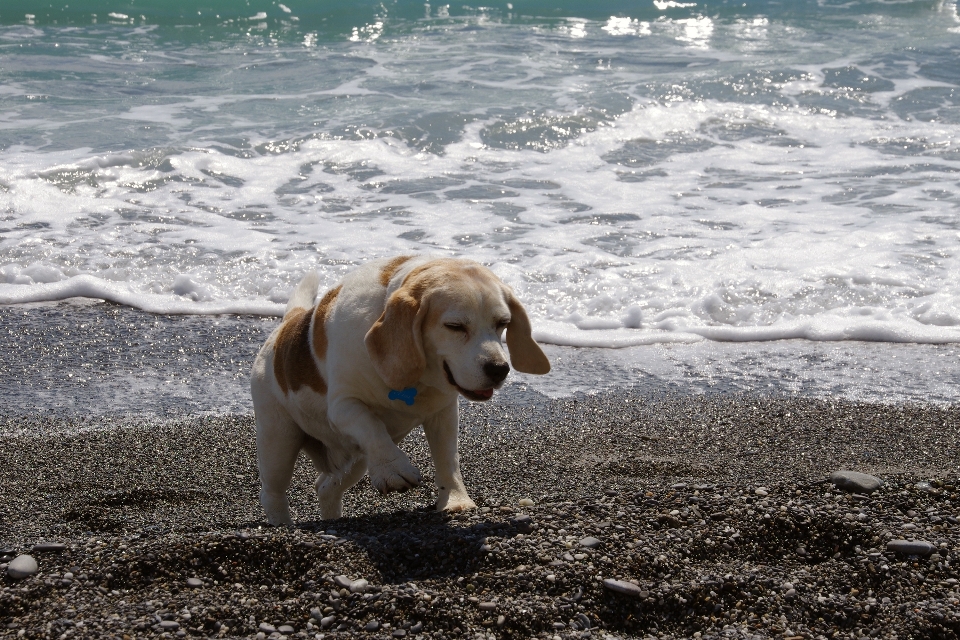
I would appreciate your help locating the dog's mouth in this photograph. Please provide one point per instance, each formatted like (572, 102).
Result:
(477, 396)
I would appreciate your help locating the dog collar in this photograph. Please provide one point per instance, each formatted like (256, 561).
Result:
(407, 395)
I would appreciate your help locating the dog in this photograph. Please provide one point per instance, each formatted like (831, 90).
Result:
(390, 348)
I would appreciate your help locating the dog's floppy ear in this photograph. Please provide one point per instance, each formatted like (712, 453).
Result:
(395, 341)
(525, 354)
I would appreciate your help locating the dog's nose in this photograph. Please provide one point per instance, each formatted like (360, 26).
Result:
(496, 371)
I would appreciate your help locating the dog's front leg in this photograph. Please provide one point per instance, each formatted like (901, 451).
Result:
(442, 435)
(390, 468)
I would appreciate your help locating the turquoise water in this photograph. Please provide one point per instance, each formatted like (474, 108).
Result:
(646, 172)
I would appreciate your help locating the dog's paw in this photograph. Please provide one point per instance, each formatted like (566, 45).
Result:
(276, 508)
(455, 503)
(330, 493)
(397, 474)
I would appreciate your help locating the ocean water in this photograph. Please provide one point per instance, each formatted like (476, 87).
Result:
(640, 172)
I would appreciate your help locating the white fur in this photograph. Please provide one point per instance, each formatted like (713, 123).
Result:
(354, 427)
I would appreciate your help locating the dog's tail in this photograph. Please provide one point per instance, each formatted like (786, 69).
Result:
(305, 294)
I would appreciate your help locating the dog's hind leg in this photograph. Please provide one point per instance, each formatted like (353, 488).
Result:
(279, 440)
(331, 486)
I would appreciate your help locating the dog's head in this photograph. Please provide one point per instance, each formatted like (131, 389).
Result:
(444, 327)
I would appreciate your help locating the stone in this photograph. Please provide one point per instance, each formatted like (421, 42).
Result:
(488, 606)
(417, 628)
(326, 623)
(399, 633)
(194, 583)
(342, 581)
(761, 491)
(373, 625)
(855, 481)
(171, 625)
(619, 586)
(286, 629)
(49, 547)
(590, 542)
(316, 614)
(525, 502)
(267, 628)
(23, 566)
(523, 523)
(359, 586)
(584, 621)
(911, 547)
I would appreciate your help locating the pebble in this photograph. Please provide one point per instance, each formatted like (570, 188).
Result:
(525, 502)
(488, 606)
(194, 583)
(373, 625)
(911, 547)
(359, 586)
(627, 588)
(23, 566)
(173, 625)
(286, 629)
(399, 633)
(855, 481)
(267, 628)
(761, 491)
(327, 622)
(49, 547)
(590, 542)
(342, 581)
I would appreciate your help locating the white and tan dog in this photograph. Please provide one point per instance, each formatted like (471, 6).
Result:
(347, 378)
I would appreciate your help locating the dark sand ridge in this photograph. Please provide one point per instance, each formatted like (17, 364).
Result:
(670, 487)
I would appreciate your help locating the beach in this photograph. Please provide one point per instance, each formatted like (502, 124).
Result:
(733, 227)
(716, 507)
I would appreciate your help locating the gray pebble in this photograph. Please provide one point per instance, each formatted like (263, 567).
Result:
(590, 542)
(316, 613)
(325, 623)
(359, 586)
(49, 547)
(171, 625)
(399, 633)
(855, 481)
(417, 628)
(267, 628)
(620, 586)
(194, 583)
(488, 606)
(286, 629)
(373, 625)
(911, 547)
(342, 581)
(23, 566)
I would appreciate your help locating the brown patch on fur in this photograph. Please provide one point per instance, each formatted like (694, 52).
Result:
(433, 274)
(388, 271)
(293, 364)
(320, 321)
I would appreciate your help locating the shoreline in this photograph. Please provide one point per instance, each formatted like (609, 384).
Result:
(668, 485)
(91, 358)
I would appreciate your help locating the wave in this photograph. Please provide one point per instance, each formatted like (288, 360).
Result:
(828, 327)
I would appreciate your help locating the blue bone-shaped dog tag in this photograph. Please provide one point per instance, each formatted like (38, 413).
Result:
(407, 395)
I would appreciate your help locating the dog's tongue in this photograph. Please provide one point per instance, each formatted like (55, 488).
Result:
(485, 393)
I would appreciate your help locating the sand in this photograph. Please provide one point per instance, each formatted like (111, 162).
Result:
(716, 509)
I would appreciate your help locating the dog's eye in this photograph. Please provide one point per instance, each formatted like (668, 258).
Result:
(456, 326)
(502, 324)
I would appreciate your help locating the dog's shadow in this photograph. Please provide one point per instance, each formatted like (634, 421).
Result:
(407, 546)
